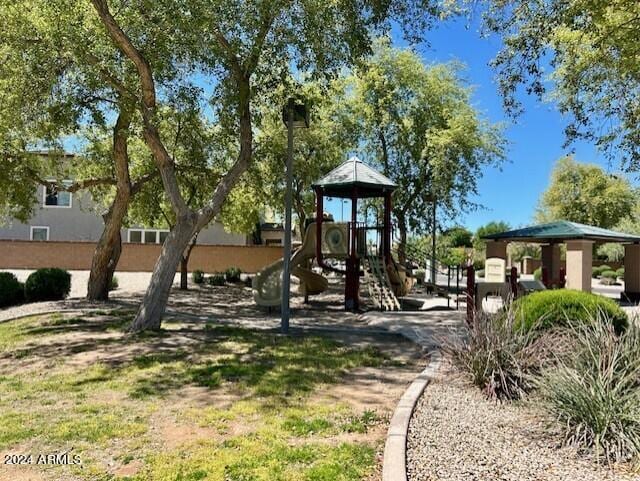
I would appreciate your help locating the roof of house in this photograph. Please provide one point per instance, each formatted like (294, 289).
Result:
(351, 174)
(562, 230)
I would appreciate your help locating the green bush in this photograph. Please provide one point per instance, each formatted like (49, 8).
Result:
(11, 290)
(216, 279)
(49, 284)
(593, 392)
(232, 274)
(498, 357)
(114, 284)
(598, 270)
(620, 273)
(608, 277)
(560, 307)
(197, 277)
(537, 274)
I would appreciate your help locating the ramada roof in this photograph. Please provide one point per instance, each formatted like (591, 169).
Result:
(341, 181)
(560, 231)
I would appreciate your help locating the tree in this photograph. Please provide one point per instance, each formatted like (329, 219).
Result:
(244, 49)
(493, 227)
(586, 194)
(459, 236)
(59, 82)
(317, 149)
(592, 48)
(419, 125)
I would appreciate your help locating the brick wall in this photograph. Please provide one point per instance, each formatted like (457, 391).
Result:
(134, 258)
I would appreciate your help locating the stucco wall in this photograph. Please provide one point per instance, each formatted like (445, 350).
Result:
(135, 257)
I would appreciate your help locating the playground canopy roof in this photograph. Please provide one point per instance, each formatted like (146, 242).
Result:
(561, 231)
(354, 173)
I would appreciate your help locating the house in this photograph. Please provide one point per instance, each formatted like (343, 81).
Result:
(65, 216)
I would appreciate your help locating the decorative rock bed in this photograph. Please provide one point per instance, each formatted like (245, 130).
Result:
(456, 434)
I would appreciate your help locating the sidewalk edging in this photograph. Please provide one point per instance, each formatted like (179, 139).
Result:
(394, 463)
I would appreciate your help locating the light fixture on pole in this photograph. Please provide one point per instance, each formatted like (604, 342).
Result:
(294, 115)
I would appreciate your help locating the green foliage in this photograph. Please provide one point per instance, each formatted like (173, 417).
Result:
(459, 237)
(493, 227)
(593, 392)
(197, 277)
(216, 279)
(420, 127)
(608, 277)
(498, 357)
(114, 284)
(592, 49)
(620, 273)
(232, 274)
(562, 307)
(50, 284)
(456, 256)
(419, 274)
(520, 250)
(537, 274)
(598, 270)
(11, 290)
(585, 193)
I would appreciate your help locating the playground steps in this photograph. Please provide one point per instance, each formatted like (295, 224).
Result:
(378, 283)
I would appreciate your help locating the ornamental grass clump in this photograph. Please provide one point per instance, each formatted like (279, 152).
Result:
(594, 393)
(499, 358)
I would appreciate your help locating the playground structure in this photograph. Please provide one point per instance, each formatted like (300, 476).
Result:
(365, 249)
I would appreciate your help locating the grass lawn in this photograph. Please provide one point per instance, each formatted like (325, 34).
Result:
(195, 401)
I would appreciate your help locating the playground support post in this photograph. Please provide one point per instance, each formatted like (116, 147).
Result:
(433, 245)
(471, 295)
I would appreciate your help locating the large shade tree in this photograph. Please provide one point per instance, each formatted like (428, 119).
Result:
(419, 125)
(585, 53)
(59, 81)
(243, 49)
(586, 194)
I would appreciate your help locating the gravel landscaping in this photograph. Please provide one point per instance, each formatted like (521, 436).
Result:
(456, 434)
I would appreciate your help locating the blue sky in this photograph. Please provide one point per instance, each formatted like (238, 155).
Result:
(535, 139)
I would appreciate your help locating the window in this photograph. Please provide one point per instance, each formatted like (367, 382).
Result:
(55, 198)
(39, 233)
(147, 236)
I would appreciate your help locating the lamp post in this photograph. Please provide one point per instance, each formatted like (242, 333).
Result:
(294, 115)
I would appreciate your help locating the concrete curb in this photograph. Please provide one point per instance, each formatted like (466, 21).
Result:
(394, 462)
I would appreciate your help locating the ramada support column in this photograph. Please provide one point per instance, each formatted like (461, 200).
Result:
(319, 218)
(579, 265)
(632, 272)
(550, 255)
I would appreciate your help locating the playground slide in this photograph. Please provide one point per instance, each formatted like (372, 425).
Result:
(267, 284)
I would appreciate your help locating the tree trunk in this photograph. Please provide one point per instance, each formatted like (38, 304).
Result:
(184, 265)
(107, 253)
(402, 244)
(155, 300)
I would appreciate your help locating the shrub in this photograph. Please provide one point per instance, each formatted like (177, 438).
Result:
(593, 393)
(216, 279)
(49, 284)
(11, 290)
(499, 358)
(114, 284)
(232, 274)
(598, 270)
(197, 277)
(480, 272)
(620, 273)
(537, 274)
(419, 274)
(608, 277)
(560, 307)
